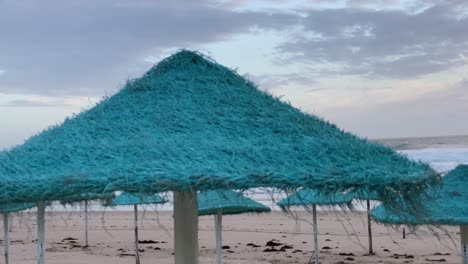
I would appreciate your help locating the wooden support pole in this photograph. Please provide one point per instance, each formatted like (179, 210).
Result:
(219, 240)
(137, 253)
(86, 223)
(6, 240)
(464, 243)
(314, 212)
(185, 228)
(40, 232)
(404, 233)
(369, 228)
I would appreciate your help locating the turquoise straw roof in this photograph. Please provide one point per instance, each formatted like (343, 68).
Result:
(131, 199)
(365, 195)
(189, 124)
(307, 197)
(447, 205)
(15, 207)
(229, 202)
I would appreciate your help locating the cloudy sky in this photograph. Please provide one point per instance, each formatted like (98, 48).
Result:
(378, 68)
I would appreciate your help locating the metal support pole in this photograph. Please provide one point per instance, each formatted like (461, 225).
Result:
(6, 241)
(40, 232)
(314, 212)
(464, 243)
(86, 223)
(137, 253)
(219, 240)
(369, 228)
(10, 222)
(185, 228)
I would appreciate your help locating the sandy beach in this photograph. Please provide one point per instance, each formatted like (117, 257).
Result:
(245, 238)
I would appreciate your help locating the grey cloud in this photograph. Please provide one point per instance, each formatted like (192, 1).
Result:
(34, 103)
(384, 43)
(367, 3)
(276, 81)
(87, 47)
(437, 113)
(411, 6)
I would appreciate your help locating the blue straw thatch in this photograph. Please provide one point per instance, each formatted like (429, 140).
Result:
(306, 197)
(311, 198)
(132, 199)
(192, 124)
(447, 205)
(229, 202)
(365, 195)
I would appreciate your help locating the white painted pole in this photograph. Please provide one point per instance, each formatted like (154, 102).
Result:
(219, 240)
(314, 212)
(185, 228)
(137, 253)
(86, 223)
(6, 240)
(464, 243)
(369, 228)
(40, 232)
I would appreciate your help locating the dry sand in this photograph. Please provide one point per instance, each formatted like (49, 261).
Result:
(111, 240)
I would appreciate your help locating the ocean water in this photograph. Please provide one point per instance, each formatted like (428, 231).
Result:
(440, 159)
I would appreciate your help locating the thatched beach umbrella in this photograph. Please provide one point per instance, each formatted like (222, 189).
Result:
(41, 205)
(226, 202)
(135, 200)
(6, 209)
(87, 197)
(445, 206)
(368, 196)
(307, 198)
(188, 125)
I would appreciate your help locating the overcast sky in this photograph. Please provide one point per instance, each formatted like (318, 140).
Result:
(388, 68)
